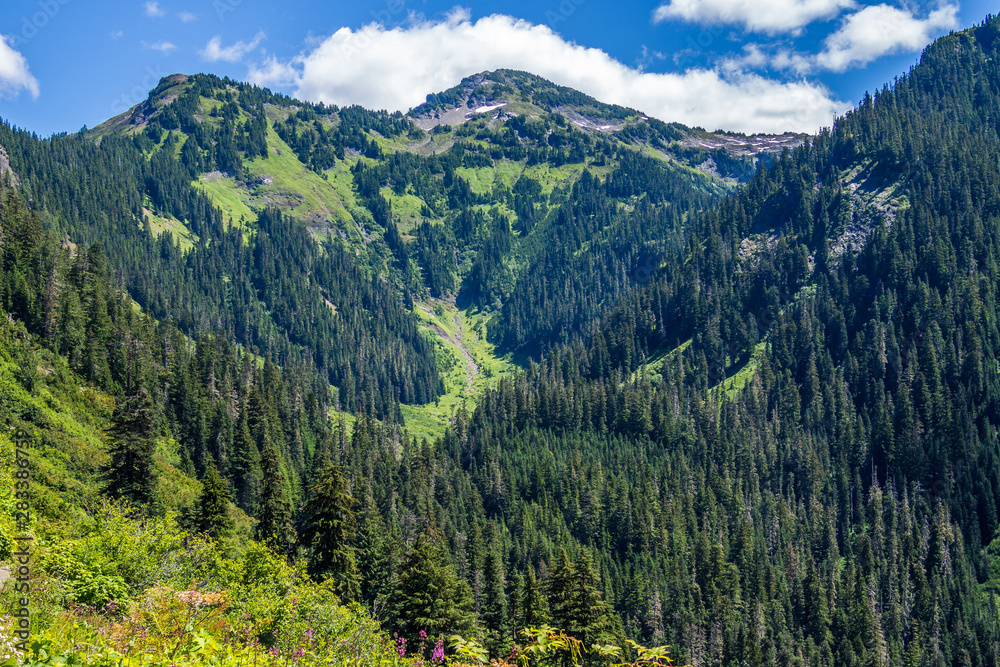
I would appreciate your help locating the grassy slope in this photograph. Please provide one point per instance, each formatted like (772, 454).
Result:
(66, 418)
(320, 201)
(461, 329)
(182, 235)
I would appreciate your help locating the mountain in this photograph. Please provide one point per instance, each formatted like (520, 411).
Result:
(377, 186)
(574, 366)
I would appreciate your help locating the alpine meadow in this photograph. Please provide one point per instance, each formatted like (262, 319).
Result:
(517, 377)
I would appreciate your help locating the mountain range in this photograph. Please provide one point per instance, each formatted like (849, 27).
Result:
(548, 360)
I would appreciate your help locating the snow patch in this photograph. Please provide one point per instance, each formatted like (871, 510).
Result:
(490, 108)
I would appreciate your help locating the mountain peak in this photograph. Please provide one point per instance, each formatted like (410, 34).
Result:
(525, 91)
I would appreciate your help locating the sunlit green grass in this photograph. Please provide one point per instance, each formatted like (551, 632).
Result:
(429, 421)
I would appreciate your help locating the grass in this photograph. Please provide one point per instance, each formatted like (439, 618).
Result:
(182, 235)
(405, 209)
(227, 195)
(301, 191)
(656, 363)
(437, 316)
(735, 383)
(506, 172)
(282, 180)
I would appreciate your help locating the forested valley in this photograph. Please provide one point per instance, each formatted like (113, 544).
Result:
(747, 411)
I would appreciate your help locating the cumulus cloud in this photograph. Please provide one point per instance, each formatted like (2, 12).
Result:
(753, 57)
(163, 47)
(14, 73)
(214, 51)
(153, 10)
(395, 70)
(187, 17)
(274, 74)
(769, 16)
(879, 30)
(792, 61)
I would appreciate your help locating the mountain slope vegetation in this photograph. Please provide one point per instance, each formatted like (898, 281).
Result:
(755, 422)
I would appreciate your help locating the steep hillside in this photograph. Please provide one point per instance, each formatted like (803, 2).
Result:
(758, 423)
(455, 219)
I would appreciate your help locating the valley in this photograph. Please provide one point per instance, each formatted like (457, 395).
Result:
(302, 382)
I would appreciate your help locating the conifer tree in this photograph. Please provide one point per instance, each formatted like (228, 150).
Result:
(212, 513)
(530, 608)
(131, 474)
(429, 596)
(274, 514)
(246, 467)
(377, 554)
(330, 527)
(495, 609)
(577, 604)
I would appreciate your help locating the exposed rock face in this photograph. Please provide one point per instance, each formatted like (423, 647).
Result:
(5, 169)
(871, 206)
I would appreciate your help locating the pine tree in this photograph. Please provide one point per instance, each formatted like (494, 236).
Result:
(246, 467)
(211, 516)
(577, 604)
(131, 473)
(495, 610)
(377, 553)
(274, 514)
(428, 595)
(530, 609)
(330, 527)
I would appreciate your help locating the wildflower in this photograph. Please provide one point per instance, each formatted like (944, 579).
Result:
(438, 654)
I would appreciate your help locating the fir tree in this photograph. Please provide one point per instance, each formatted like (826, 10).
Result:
(211, 516)
(495, 609)
(330, 527)
(377, 553)
(530, 608)
(131, 473)
(246, 467)
(577, 604)
(274, 513)
(428, 595)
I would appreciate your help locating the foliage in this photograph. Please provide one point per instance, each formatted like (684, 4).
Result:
(837, 505)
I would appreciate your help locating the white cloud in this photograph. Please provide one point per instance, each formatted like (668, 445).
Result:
(770, 16)
(163, 47)
(879, 30)
(14, 73)
(795, 62)
(396, 69)
(153, 10)
(274, 74)
(215, 51)
(753, 57)
(117, 34)
(187, 17)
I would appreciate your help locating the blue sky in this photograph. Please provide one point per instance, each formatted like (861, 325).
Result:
(745, 65)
